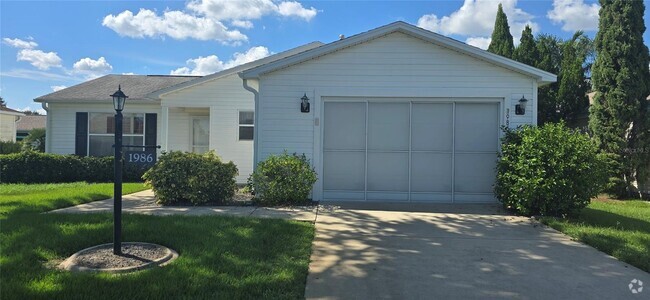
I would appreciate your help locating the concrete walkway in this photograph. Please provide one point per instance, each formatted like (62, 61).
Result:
(145, 203)
(420, 251)
(456, 253)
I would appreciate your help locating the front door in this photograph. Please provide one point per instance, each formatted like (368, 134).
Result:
(200, 134)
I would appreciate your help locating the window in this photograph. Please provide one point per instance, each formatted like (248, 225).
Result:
(246, 125)
(101, 132)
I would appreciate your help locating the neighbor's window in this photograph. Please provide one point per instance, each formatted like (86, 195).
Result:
(102, 129)
(246, 125)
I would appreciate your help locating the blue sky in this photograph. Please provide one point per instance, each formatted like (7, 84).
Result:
(53, 44)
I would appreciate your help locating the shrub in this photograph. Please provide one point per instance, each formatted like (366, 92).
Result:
(179, 177)
(35, 140)
(283, 179)
(8, 147)
(36, 167)
(549, 170)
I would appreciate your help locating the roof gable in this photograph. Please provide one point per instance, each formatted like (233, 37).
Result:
(405, 28)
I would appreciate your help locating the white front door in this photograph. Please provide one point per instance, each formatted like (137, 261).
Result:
(200, 135)
(434, 151)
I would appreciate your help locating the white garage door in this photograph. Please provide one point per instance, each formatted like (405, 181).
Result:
(410, 150)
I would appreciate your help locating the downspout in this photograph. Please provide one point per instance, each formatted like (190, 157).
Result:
(16, 127)
(48, 126)
(255, 120)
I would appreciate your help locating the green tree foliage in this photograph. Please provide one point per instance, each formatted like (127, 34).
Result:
(501, 43)
(549, 59)
(526, 52)
(35, 140)
(620, 76)
(572, 97)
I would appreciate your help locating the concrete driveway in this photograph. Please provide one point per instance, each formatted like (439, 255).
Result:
(466, 252)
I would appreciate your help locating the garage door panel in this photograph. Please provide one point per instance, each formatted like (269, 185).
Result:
(476, 127)
(388, 172)
(344, 171)
(388, 126)
(431, 197)
(431, 172)
(474, 172)
(431, 127)
(348, 118)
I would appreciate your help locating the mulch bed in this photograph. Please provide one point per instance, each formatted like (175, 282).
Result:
(133, 255)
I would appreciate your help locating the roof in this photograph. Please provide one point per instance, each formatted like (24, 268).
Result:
(237, 69)
(28, 123)
(100, 89)
(8, 111)
(542, 76)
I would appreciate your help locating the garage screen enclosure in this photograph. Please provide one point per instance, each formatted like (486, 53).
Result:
(408, 150)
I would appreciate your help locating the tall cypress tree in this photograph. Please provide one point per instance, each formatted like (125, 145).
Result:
(572, 97)
(501, 43)
(550, 58)
(621, 80)
(526, 52)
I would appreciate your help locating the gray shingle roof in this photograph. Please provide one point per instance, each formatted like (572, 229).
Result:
(100, 89)
(7, 109)
(27, 123)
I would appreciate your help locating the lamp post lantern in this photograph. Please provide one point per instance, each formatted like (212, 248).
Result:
(119, 98)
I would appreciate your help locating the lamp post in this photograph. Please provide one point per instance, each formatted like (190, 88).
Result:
(119, 98)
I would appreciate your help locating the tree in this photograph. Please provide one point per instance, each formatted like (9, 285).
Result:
(2, 102)
(35, 140)
(501, 42)
(621, 80)
(549, 60)
(526, 52)
(572, 97)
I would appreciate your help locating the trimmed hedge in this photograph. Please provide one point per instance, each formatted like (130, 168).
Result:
(182, 177)
(548, 171)
(36, 167)
(283, 179)
(8, 147)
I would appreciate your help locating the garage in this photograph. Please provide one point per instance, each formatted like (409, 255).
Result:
(394, 114)
(410, 149)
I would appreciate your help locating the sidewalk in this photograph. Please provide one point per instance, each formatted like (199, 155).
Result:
(144, 203)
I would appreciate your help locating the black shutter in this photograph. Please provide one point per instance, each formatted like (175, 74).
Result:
(81, 134)
(150, 129)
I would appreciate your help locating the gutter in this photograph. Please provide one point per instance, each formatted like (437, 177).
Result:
(48, 126)
(255, 120)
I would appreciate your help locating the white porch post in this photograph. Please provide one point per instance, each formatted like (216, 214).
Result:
(164, 134)
(212, 141)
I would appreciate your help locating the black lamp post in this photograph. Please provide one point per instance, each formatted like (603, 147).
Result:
(119, 98)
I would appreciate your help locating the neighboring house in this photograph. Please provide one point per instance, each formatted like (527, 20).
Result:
(27, 123)
(186, 113)
(397, 113)
(8, 119)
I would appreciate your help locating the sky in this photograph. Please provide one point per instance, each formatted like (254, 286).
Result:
(49, 45)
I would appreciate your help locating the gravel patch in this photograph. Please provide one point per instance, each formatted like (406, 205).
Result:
(135, 256)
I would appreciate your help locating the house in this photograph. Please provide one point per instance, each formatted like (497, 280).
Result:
(8, 119)
(397, 113)
(27, 123)
(184, 113)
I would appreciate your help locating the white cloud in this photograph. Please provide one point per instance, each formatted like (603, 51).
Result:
(18, 43)
(212, 64)
(56, 88)
(475, 19)
(292, 8)
(574, 15)
(39, 59)
(91, 68)
(249, 9)
(128, 73)
(480, 42)
(242, 24)
(203, 19)
(175, 24)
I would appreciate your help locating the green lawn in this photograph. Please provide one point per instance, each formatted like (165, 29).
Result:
(618, 228)
(36, 198)
(220, 257)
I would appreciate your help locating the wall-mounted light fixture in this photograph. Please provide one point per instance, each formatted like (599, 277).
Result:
(304, 105)
(520, 109)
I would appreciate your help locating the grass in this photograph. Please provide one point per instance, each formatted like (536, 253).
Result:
(618, 228)
(220, 257)
(37, 198)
